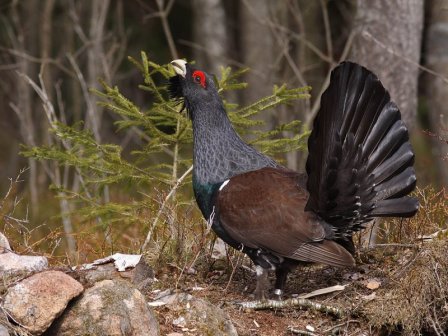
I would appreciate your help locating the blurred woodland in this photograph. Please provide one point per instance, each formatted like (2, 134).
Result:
(54, 52)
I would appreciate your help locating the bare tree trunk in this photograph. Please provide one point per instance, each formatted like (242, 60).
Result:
(436, 89)
(46, 35)
(389, 44)
(258, 48)
(97, 63)
(23, 105)
(305, 66)
(311, 64)
(210, 32)
(45, 44)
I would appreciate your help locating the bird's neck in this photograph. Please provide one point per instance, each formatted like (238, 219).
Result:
(219, 152)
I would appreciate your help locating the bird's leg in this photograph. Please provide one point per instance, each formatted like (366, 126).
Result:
(262, 283)
(281, 274)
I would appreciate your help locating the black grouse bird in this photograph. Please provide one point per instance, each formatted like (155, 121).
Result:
(359, 166)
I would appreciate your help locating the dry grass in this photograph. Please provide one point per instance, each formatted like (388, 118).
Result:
(415, 299)
(412, 297)
(431, 218)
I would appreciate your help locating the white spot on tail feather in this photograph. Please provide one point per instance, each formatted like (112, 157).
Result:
(223, 184)
(259, 270)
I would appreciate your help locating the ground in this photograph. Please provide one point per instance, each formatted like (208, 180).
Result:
(379, 278)
(395, 289)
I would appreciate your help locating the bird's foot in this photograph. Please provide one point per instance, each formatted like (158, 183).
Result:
(260, 292)
(260, 295)
(278, 294)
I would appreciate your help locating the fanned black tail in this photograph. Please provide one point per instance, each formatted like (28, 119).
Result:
(360, 162)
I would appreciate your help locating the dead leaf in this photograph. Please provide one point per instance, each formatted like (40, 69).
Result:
(373, 284)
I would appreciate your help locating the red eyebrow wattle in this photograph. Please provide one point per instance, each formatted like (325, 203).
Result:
(201, 75)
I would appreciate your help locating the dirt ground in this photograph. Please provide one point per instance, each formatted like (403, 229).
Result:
(367, 287)
(395, 289)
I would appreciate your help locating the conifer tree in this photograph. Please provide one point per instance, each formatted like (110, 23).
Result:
(163, 162)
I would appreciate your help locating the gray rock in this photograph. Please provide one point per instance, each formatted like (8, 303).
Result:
(4, 244)
(142, 275)
(12, 264)
(200, 315)
(36, 301)
(110, 307)
(3, 331)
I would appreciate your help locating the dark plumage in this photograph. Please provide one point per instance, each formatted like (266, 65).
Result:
(359, 167)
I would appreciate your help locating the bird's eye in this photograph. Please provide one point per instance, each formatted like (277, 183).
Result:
(199, 78)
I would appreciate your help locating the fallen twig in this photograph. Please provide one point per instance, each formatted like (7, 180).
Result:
(322, 291)
(413, 246)
(300, 332)
(290, 303)
(346, 323)
(434, 235)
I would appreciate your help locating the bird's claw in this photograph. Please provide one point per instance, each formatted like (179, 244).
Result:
(278, 294)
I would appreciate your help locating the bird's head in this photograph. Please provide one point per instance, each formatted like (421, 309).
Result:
(194, 87)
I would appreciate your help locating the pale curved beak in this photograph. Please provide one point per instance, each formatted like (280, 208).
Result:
(179, 67)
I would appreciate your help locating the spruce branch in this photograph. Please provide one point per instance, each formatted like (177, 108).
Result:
(153, 164)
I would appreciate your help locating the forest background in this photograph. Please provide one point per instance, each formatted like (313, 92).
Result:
(60, 61)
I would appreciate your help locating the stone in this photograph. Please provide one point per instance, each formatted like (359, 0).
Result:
(120, 260)
(219, 249)
(143, 276)
(12, 264)
(3, 331)
(37, 300)
(200, 315)
(140, 274)
(4, 244)
(110, 307)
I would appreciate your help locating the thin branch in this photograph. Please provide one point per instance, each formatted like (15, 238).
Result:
(287, 55)
(234, 268)
(413, 246)
(339, 325)
(76, 23)
(204, 49)
(52, 118)
(163, 205)
(299, 37)
(46, 60)
(164, 12)
(85, 91)
(328, 40)
(310, 116)
(369, 36)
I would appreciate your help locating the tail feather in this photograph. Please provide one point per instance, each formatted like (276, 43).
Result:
(360, 159)
(377, 102)
(397, 135)
(401, 207)
(389, 116)
(396, 186)
(403, 157)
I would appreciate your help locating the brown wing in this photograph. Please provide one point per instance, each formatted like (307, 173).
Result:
(265, 209)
